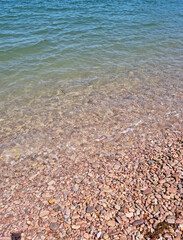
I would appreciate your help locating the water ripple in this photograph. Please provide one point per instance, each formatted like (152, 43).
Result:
(60, 40)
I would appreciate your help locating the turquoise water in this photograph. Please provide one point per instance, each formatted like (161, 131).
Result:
(58, 57)
(58, 44)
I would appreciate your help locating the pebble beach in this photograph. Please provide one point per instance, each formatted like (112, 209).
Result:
(91, 120)
(126, 186)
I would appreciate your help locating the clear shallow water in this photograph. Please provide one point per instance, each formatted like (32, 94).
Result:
(63, 43)
(65, 51)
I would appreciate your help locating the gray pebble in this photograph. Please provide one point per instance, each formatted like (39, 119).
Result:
(179, 186)
(90, 209)
(54, 226)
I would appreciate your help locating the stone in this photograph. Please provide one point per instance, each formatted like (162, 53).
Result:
(123, 237)
(75, 227)
(106, 236)
(86, 236)
(5, 238)
(44, 213)
(68, 211)
(179, 220)
(167, 185)
(99, 234)
(46, 195)
(170, 219)
(52, 200)
(75, 188)
(51, 182)
(172, 190)
(118, 219)
(117, 166)
(161, 181)
(111, 223)
(176, 176)
(156, 208)
(56, 207)
(181, 227)
(107, 216)
(16, 236)
(51, 188)
(179, 186)
(54, 226)
(66, 217)
(147, 191)
(90, 209)
(138, 222)
(114, 233)
(129, 214)
(167, 235)
(107, 189)
(117, 207)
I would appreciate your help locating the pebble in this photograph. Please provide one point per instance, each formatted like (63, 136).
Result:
(51, 201)
(99, 234)
(117, 166)
(123, 237)
(51, 188)
(56, 207)
(147, 191)
(179, 221)
(118, 219)
(16, 236)
(54, 226)
(44, 213)
(138, 222)
(66, 217)
(161, 181)
(46, 195)
(181, 227)
(170, 219)
(75, 227)
(167, 236)
(111, 223)
(129, 214)
(117, 207)
(106, 236)
(75, 188)
(86, 236)
(68, 211)
(51, 182)
(90, 209)
(179, 186)
(171, 190)
(5, 238)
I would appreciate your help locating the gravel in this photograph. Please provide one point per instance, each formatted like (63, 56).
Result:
(100, 192)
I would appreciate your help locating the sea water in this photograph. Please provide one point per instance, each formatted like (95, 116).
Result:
(61, 62)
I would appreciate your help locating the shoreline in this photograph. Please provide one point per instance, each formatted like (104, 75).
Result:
(94, 164)
(91, 120)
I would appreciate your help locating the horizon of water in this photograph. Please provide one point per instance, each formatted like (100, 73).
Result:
(67, 54)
